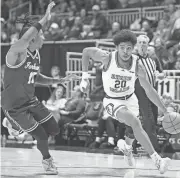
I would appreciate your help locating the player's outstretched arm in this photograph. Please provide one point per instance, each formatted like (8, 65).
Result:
(93, 53)
(18, 50)
(44, 80)
(150, 91)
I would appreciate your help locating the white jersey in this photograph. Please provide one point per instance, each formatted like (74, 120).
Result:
(119, 82)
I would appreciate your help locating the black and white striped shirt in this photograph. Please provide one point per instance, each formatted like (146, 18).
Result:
(150, 66)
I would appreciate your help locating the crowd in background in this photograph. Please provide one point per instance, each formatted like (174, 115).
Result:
(78, 110)
(80, 24)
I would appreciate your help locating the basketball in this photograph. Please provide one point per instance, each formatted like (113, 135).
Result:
(171, 123)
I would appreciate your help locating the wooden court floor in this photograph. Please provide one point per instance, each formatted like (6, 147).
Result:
(26, 163)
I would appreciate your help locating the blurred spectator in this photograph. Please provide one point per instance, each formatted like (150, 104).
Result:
(72, 5)
(147, 28)
(162, 53)
(103, 5)
(64, 29)
(85, 19)
(112, 4)
(75, 30)
(73, 109)
(174, 35)
(89, 4)
(99, 22)
(61, 6)
(122, 4)
(109, 125)
(55, 73)
(115, 29)
(56, 102)
(167, 2)
(86, 33)
(173, 55)
(80, 4)
(177, 64)
(4, 10)
(53, 34)
(170, 105)
(161, 30)
(4, 36)
(71, 18)
(134, 3)
(136, 26)
(146, 3)
(41, 6)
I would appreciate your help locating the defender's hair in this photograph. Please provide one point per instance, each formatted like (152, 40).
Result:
(125, 36)
(27, 22)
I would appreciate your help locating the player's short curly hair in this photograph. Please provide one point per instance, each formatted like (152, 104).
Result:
(125, 36)
(27, 22)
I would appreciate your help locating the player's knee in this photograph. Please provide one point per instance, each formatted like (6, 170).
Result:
(136, 124)
(121, 113)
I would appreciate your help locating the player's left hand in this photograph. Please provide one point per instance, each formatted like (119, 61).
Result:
(48, 10)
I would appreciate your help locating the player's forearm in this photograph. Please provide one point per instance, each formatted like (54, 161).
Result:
(85, 60)
(44, 80)
(154, 97)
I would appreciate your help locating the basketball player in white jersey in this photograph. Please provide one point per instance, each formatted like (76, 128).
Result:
(120, 70)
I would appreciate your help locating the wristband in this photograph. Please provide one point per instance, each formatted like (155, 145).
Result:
(38, 26)
(85, 75)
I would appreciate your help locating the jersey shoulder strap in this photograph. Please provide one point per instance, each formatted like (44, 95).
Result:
(106, 67)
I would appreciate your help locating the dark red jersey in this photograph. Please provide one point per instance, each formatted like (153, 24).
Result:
(19, 81)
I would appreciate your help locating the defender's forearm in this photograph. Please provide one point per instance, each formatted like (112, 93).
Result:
(44, 80)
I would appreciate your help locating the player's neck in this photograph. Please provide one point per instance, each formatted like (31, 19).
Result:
(31, 49)
(125, 64)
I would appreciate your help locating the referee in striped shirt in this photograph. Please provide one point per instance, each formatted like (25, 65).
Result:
(148, 111)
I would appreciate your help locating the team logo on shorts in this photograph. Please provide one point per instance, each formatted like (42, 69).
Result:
(110, 108)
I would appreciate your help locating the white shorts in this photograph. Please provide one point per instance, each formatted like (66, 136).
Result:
(112, 105)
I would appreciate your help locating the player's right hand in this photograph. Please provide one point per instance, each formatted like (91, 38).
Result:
(48, 10)
(84, 85)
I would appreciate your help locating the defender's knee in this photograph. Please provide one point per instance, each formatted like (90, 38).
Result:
(51, 127)
(55, 131)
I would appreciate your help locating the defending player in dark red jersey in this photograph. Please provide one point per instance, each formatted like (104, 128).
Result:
(23, 110)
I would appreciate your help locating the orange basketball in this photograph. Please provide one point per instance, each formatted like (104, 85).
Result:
(171, 123)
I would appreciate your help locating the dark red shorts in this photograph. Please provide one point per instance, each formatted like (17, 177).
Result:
(28, 116)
